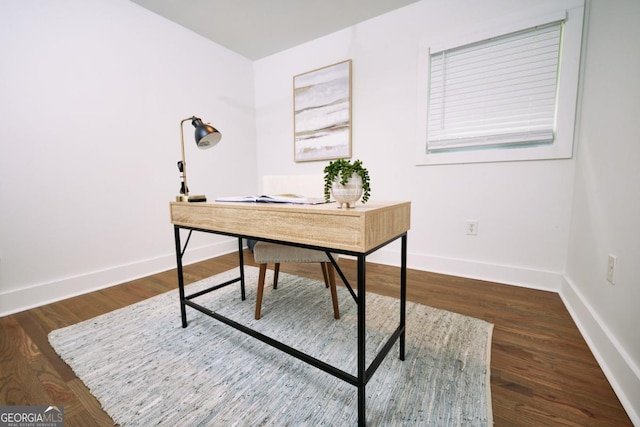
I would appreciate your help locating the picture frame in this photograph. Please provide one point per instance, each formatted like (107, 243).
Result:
(322, 113)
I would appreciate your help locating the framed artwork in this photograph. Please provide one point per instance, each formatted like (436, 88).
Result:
(322, 113)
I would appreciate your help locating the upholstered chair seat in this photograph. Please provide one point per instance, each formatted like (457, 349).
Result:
(265, 253)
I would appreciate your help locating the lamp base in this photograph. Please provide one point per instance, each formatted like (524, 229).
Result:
(193, 198)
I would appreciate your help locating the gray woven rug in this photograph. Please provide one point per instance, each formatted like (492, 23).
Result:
(145, 369)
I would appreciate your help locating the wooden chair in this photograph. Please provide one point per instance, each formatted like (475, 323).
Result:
(270, 253)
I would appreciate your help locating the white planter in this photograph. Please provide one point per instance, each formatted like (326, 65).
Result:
(349, 193)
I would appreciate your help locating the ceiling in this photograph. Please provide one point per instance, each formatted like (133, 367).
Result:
(259, 28)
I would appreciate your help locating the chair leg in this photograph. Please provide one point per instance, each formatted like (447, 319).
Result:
(334, 293)
(261, 274)
(324, 273)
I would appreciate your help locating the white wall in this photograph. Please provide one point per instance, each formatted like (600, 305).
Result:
(92, 94)
(523, 208)
(533, 225)
(606, 200)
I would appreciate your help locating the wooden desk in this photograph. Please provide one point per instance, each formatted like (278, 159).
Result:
(357, 232)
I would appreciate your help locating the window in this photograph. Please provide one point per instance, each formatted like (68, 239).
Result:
(510, 96)
(500, 91)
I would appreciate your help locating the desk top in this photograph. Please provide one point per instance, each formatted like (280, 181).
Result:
(358, 229)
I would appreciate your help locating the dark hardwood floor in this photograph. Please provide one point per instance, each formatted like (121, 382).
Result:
(542, 372)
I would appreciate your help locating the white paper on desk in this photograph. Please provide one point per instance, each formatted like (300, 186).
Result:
(276, 198)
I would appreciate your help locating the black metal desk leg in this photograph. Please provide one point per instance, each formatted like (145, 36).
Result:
(362, 372)
(241, 263)
(183, 308)
(403, 293)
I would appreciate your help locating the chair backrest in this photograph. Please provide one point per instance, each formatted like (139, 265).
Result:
(302, 185)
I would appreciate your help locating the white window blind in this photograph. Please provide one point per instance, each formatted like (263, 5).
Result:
(495, 93)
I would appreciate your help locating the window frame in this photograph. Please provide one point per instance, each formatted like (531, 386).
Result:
(568, 83)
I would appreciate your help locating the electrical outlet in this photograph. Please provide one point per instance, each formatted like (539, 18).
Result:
(472, 227)
(611, 269)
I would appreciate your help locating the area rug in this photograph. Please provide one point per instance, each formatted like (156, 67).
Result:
(145, 369)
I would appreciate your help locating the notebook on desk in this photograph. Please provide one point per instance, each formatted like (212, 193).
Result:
(276, 198)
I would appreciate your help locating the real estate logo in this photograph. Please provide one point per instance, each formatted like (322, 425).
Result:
(31, 416)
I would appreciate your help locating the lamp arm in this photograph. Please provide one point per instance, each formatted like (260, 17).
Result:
(184, 163)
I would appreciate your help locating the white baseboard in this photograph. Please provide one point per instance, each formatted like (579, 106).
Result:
(14, 301)
(617, 365)
(508, 275)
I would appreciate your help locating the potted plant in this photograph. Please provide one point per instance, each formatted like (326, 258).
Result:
(339, 178)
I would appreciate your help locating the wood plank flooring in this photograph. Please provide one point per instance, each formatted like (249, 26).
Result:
(542, 372)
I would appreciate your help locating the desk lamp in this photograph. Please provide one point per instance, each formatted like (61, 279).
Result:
(206, 136)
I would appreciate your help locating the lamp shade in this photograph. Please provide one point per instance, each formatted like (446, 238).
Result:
(206, 135)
